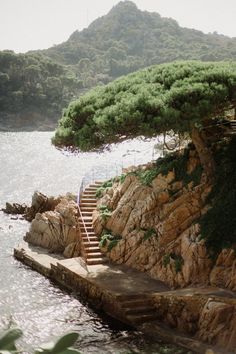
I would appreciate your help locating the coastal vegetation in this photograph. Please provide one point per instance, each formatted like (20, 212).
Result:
(125, 40)
(128, 39)
(32, 82)
(184, 97)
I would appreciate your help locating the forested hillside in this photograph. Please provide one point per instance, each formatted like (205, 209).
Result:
(33, 83)
(123, 41)
(127, 39)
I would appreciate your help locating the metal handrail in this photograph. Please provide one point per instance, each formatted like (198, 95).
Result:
(87, 235)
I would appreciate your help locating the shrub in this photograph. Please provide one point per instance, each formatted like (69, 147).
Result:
(103, 187)
(105, 212)
(109, 240)
(218, 225)
(149, 233)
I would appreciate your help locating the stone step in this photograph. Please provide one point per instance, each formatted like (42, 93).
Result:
(90, 233)
(89, 195)
(132, 297)
(138, 319)
(95, 261)
(93, 255)
(91, 249)
(91, 244)
(95, 185)
(87, 213)
(98, 182)
(83, 209)
(88, 228)
(85, 219)
(144, 310)
(88, 202)
(135, 303)
(91, 189)
(88, 225)
(90, 238)
(90, 199)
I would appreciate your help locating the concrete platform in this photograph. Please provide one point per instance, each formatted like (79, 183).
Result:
(123, 293)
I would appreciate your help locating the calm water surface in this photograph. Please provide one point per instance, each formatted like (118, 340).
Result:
(28, 162)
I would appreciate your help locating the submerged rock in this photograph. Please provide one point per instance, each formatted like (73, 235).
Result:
(40, 203)
(15, 208)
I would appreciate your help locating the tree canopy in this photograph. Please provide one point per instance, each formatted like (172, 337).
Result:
(31, 82)
(177, 96)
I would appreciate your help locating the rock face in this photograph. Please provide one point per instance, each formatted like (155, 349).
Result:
(56, 229)
(159, 230)
(41, 203)
(208, 319)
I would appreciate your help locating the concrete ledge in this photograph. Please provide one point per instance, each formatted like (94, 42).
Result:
(109, 287)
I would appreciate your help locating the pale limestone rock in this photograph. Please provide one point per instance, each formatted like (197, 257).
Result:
(57, 229)
(72, 250)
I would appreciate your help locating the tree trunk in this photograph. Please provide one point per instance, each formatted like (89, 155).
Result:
(204, 152)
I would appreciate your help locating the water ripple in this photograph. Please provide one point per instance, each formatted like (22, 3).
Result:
(27, 299)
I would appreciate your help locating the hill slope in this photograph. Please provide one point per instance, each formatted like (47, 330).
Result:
(127, 39)
(123, 41)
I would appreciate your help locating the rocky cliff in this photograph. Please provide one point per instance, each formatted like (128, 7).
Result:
(153, 225)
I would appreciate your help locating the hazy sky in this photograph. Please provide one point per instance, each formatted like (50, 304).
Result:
(38, 24)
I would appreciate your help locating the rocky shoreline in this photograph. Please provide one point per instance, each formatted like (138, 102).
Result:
(152, 230)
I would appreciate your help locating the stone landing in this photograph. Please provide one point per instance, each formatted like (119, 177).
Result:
(128, 295)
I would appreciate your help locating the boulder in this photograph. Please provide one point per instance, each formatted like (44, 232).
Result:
(57, 230)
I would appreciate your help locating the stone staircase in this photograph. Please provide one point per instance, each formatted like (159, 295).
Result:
(137, 309)
(90, 242)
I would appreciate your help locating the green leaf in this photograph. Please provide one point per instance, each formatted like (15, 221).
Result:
(66, 341)
(61, 346)
(7, 339)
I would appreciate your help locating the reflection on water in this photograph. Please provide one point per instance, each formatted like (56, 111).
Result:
(28, 300)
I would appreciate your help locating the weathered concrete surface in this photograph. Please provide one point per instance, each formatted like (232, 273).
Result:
(116, 290)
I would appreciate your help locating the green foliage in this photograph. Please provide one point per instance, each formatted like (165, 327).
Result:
(62, 346)
(218, 225)
(149, 233)
(178, 261)
(123, 41)
(109, 240)
(166, 260)
(103, 187)
(105, 212)
(7, 340)
(127, 39)
(32, 82)
(161, 98)
(122, 177)
(176, 162)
